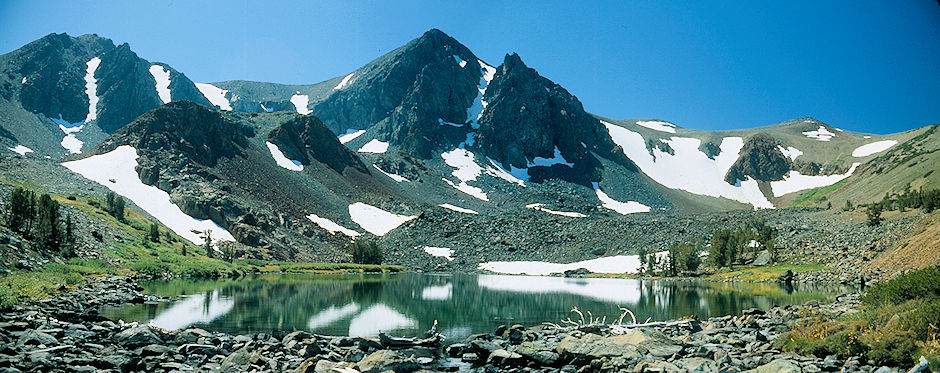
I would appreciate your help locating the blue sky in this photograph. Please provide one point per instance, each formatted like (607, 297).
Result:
(868, 66)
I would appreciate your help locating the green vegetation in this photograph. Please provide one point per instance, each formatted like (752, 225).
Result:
(928, 200)
(874, 215)
(900, 322)
(729, 246)
(141, 249)
(365, 252)
(817, 194)
(761, 273)
(683, 258)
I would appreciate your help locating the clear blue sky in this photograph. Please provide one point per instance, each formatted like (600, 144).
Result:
(869, 66)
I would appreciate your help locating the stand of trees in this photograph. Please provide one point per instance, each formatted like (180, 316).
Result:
(730, 245)
(39, 220)
(365, 252)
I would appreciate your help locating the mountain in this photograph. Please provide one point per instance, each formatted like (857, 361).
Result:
(427, 145)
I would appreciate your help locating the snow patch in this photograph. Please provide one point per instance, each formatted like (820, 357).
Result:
(215, 95)
(300, 103)
(515, 176)
(689, 169)
(790, 152)
(70, 142)
(375, 220)
(465, 170)
(557, 158)
(395, 177)
(21, 150)
(91, 88)
(282, 160)
(540, 207)
(344, 83)
(795, 182)
(24, 80)
(374, 146)
(350, 135)
(822, 134)
(473, 191)
(609, 264)
(623, 208)
(331, 226)
(657, 125)
(117, 171)
(460, 61)
(331, 315)
(378, 318)
(867, 137)
(875, 147)
(266, 110)
(475, 111)
(441, 252)
(458, 209)
(162, 77)
(443, 122)
(195, 309)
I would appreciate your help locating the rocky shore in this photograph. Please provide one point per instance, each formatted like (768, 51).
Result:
(66, 334)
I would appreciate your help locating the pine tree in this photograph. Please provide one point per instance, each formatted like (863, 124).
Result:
(154, 232)
(874, 214)
(48, 232)
(114, 205)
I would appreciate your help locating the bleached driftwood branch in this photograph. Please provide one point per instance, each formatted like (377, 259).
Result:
(618, 327)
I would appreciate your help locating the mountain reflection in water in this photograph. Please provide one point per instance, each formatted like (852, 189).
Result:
(408, 303)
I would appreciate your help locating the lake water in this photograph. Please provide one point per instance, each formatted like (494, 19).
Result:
(407, 304)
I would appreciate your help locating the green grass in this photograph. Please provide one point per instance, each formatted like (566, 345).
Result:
(814, 195)
(761, 274)
(31, 285)
(337, 267)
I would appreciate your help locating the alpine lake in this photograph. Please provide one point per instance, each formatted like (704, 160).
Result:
(407, 304)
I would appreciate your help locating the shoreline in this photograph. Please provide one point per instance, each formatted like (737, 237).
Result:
(66, 333)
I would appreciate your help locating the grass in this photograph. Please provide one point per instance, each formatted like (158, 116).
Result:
(134, 253)
(899, 322)
(762, 273)
(812, 196)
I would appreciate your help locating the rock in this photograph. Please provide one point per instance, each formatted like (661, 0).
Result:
(656, 366)
(593, 346)
(470, 357)
(655, 342)
(763, 258)
(779, 366)
(517, 334)
(138, 336)
(384, 360)
(241, 358)
(35, 337)
(577, 273)
(786, 277)
(697, 365)
(503, 357)
(154, 350)
(323, 366)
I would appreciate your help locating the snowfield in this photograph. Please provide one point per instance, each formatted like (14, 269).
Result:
(441, 252)
(875, 147)
(300, 103)
(374, 146)
(460, 61)
(215, 95)
(821, 134)
(162, 77)
(475, 111)
(116, 170)
(623, 208)
(282, 160)
(375, 220)
(557, 158)
(690, 169)
(621, 291)
(790, 152)
(344, 83)
(540, 207)
(458, 209)
(350, 135)
(795, 182)
(21, 150)
(392, 176)
(465, 170)
(657, 125)
(194, 310)
(91, 88)
(610, 264)
(331, 226)
(70, 142)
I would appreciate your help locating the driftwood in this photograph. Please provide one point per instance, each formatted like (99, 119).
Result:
(431, 339)
(617, 327)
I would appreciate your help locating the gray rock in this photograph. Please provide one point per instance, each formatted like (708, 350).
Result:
(779, 366)
(762, 259)
(697, 365)
(137, 336)
(35, 337)
(592, 346)
(384, 360)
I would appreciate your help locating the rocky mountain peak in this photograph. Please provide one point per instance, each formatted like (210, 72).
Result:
(761, 159)
(306, 139)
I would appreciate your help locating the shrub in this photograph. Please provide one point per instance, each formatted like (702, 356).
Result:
(150, 268)
(365, 252)
(920, 284)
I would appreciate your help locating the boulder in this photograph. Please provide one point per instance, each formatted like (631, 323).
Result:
(779, 366)
(138, 336)
(384, 360)
(592, 346)
(697, 365)
(763, 258)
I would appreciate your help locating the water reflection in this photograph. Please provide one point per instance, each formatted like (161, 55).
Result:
(407, 304)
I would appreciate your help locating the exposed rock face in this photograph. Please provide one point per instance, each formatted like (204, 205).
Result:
(54, 67)
(761, 159)
(426, 65)
(306, 139)
(529, 116)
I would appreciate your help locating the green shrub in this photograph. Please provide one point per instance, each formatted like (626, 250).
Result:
(365, 252)
(150, 268)
(920, 284)
(892, 347)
